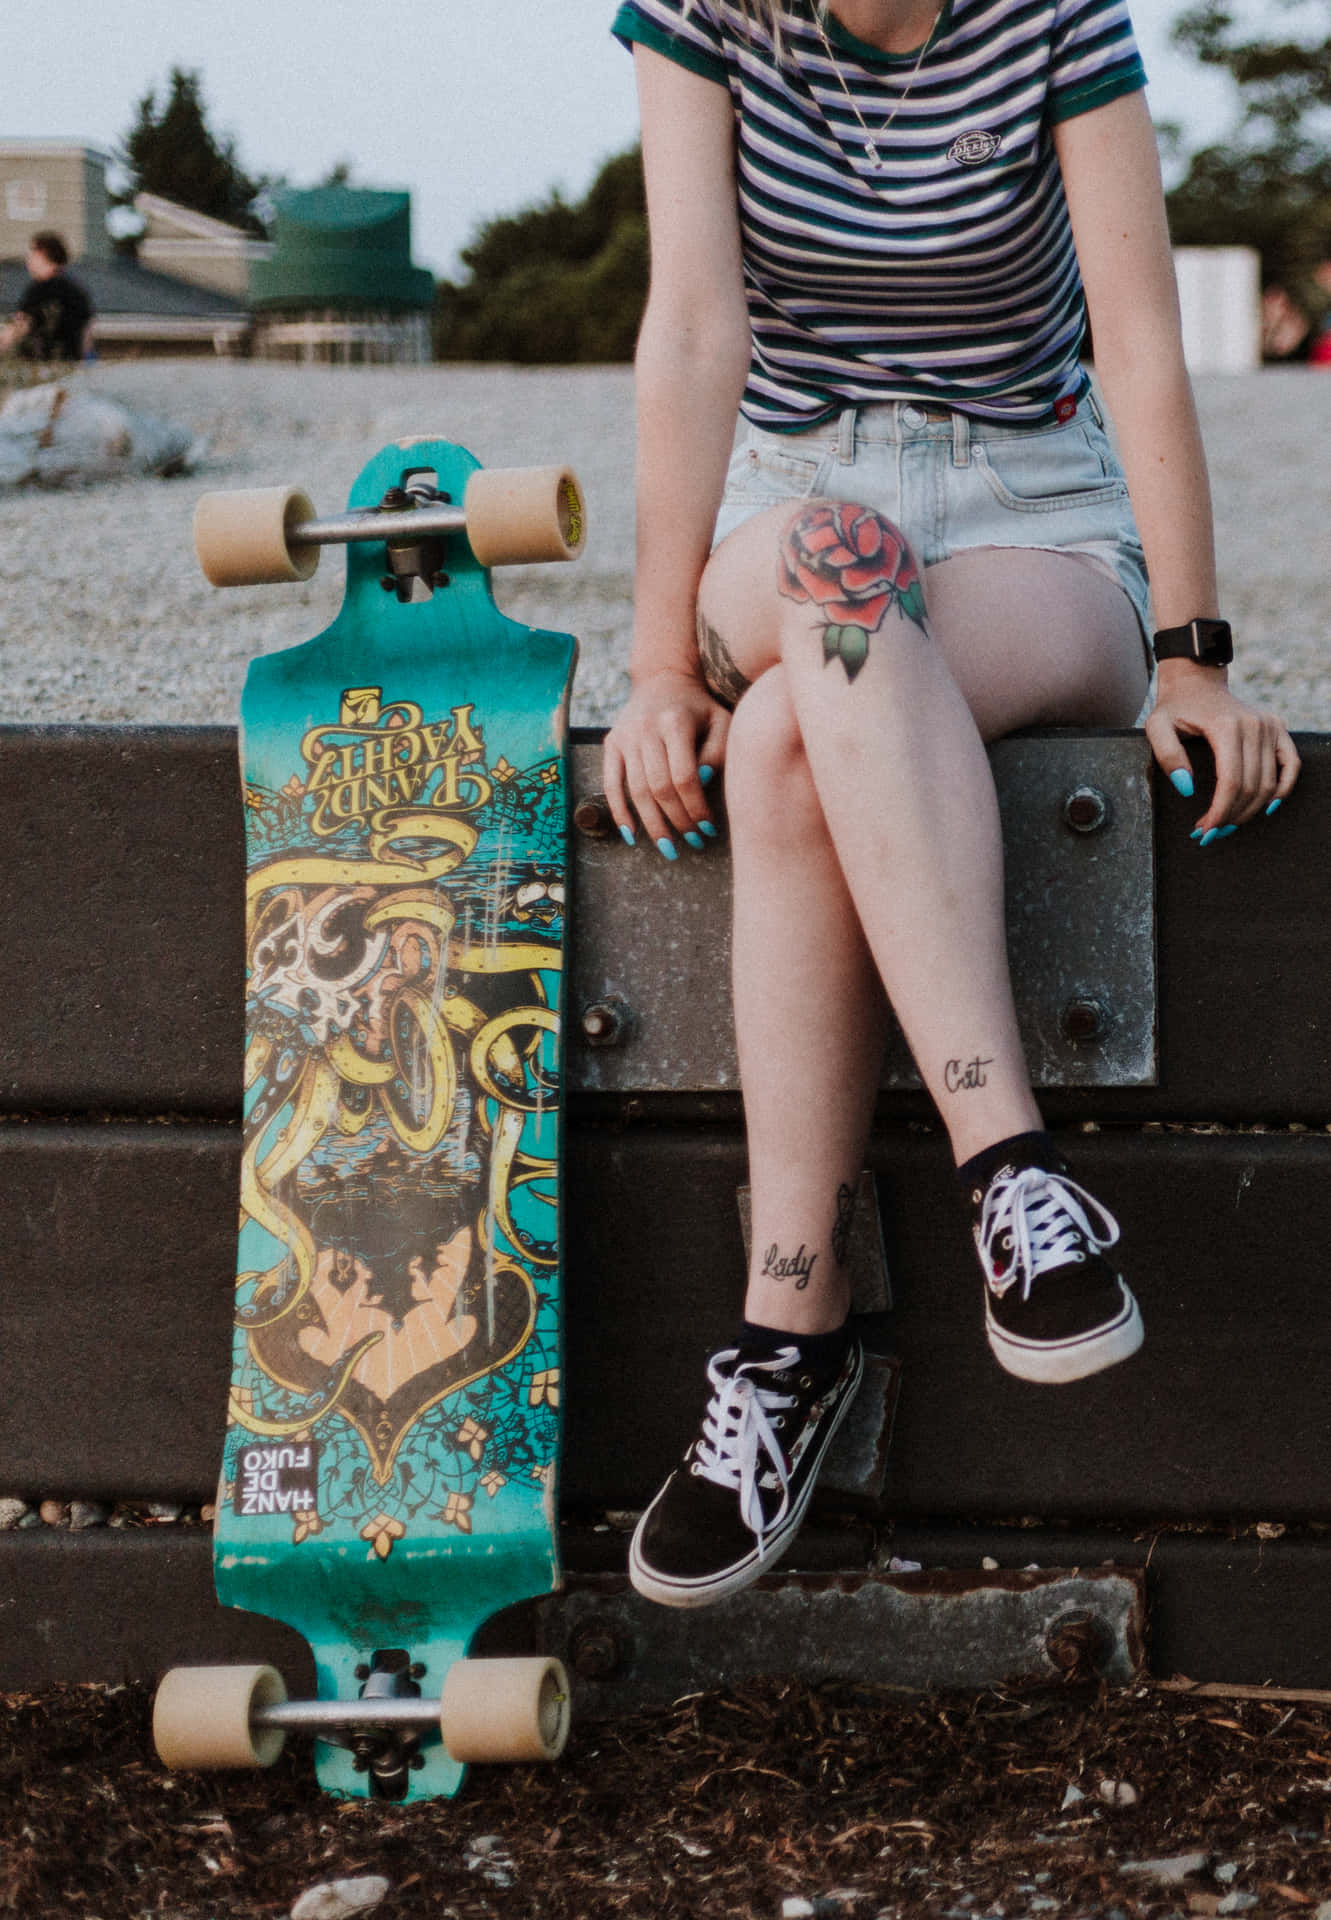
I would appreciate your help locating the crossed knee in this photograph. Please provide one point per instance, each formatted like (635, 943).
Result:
(768, 782)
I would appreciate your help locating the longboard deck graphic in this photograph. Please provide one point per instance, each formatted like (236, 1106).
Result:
(390, 1466)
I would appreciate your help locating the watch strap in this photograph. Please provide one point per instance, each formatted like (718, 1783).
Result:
(1210, 642)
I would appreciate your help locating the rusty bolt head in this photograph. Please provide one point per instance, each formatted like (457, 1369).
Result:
(1075, 1644)
(1086, 810)
(606, 1023)
(593, 818)
(594, 1652)
(1084, 1020)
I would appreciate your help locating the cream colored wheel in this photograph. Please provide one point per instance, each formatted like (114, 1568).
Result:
(241, 539)
(201, 1717)
(517, 514)
(505, 1710)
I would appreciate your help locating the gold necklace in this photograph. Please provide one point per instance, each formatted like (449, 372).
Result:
(871, 140)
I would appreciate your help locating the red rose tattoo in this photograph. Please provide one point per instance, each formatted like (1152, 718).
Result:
(853, 565)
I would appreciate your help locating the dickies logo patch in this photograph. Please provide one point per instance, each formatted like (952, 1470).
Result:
(973, 149)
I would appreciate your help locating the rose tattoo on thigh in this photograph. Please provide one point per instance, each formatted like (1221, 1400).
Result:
(853, 565)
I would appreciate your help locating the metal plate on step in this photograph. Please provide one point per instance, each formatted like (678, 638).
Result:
(649, 1002)
(918, 1632)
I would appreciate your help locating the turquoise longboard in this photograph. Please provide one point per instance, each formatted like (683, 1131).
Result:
(389, 1472)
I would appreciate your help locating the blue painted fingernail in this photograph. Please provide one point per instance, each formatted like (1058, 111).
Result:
(1196, 834)
(707, 775)
(1223, 833)
(706, 828)
(1181, 781)
(628, 836)
(667, 849)
(694, 840)
(1274, 804)
(1213, 834)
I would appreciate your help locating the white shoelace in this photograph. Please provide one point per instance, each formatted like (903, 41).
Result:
(738, 1431)
(1048, 1220)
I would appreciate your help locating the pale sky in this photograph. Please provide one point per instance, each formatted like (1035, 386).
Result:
(477, 106)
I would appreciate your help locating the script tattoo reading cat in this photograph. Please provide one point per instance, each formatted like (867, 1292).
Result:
(853, 565)
(964, 1076)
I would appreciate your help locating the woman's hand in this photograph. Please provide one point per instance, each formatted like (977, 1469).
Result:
(668, 741)
(1256, 762)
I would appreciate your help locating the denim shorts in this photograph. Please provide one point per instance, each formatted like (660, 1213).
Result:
(950, 482)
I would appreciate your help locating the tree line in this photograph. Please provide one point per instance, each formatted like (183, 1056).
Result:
(566, 281)
(1269, 185)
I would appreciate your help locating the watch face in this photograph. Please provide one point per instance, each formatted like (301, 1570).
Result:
(1214, 645)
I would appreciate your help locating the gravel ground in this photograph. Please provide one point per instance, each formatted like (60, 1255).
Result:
(104, 615)
(771, 1801)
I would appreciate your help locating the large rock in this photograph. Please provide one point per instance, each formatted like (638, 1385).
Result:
(58, 434)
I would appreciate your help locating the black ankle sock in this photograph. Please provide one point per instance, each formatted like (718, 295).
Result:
(1020, 1150)
(823, 1353)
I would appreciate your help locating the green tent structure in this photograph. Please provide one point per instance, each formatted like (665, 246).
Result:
(339, 285)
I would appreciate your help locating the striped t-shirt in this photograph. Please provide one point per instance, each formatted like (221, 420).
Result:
(946, 276)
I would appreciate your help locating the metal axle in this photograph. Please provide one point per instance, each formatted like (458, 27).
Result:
(309, 1716)
(370, 523)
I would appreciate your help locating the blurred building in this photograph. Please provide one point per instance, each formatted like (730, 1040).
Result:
(177, 298)
(190, 246)
(338, 284)
(334, 284)
(53, 184)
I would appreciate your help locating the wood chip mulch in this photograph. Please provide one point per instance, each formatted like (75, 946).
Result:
(832, 1800)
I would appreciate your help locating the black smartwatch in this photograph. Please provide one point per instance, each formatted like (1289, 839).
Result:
(1209, 642)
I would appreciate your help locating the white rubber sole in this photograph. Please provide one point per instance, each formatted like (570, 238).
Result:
(667, 1591)
(1054, 1363)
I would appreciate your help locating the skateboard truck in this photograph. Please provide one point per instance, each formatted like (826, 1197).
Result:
(384, 1731)
(488, 1710)
(508, 516)
(419, 554)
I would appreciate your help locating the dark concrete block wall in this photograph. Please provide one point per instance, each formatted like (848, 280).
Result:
(120, 1048)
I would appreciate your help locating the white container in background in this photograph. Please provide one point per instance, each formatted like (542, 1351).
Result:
(1220, 294)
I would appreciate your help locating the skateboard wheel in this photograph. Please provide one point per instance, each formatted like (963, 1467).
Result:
(517, 514)
(241, 539)
(505, 1710)
(201, 1717)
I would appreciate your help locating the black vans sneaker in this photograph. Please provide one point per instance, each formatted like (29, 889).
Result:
(736, 1501)
(1055, 1310)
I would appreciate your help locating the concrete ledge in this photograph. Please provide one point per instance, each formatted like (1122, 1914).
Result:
(121, 971)
(1243, 1610)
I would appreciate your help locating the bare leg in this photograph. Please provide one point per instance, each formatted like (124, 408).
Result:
(894, 752)
(808, 1019)
(866, 841)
